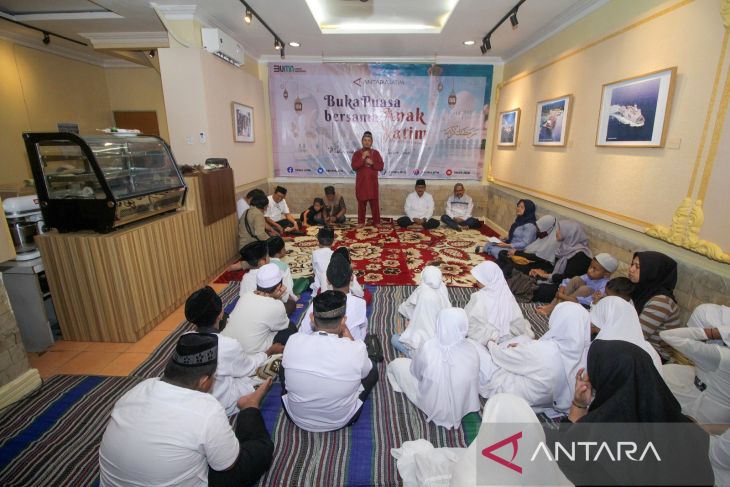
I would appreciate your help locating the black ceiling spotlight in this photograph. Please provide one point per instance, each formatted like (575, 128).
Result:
(151, 53)
(281, 53)
(251, 14)
(278, 45)
(512, 16)
(46, 38)
(248, 17)
(46, 34)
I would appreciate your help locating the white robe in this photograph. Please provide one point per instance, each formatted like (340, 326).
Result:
(712, 366)
(255, 321)
(442, 377)
(422, 307)
(493, 310)
(618, 320)
(356, 318)
(419, 464)
(320, 261)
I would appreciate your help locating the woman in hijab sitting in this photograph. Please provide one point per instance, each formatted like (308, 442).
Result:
(540, 254)
(522, 232)
(572, 259)
(493, 310)
(655, 276)
(442, 379)
(420, 311)
(622, 385)
(540, 371)
(703, 390)
(617, 320)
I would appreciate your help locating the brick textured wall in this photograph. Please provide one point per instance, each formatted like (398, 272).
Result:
(13, 359)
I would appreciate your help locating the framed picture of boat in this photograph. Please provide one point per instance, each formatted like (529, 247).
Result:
(635, 111)
(552, 121)
(509, 125)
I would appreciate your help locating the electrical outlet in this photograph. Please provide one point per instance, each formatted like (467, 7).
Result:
(189, 140)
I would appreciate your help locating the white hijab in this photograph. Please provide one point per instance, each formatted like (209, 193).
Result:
(430, 297)
(546, 246)
(514, 411)
(570, 330)
(618, 320)
(447, 368)
(500, 305)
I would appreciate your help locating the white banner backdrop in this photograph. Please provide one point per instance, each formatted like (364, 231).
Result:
(427, 121)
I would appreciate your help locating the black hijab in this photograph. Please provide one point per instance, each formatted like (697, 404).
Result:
(657, 277)
(628, 386)
(527, 217)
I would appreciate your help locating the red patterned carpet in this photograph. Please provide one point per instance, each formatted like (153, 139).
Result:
(386, 255)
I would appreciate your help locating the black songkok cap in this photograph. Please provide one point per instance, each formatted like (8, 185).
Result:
(280, 189)
(367, 133)
(339, 271)
(255, 251)
(326, 232)
(344, 252)
(196, 349)
(329, 305)
(420, 182)
(203, 307)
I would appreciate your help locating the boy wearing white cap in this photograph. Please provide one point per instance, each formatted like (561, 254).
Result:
(259, 318)
(583, 289)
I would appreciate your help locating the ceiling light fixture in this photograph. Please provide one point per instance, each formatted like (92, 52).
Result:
(151, 53)
(46, 34)
(469, 43)
(512, 16)
(294, 44)
(251, 14)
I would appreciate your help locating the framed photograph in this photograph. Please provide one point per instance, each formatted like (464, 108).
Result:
(635, 111)
(509, 125)
(242, 122)
(552, 121)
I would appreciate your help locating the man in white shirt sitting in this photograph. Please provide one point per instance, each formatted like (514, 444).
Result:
(170, 431)
(339, 275)
(419, 209)
(259, 319)
(277, 213)
(326, 376)
(458, 210)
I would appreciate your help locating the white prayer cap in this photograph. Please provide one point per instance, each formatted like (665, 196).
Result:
(545, 223)
(268, 276)
(607, 261)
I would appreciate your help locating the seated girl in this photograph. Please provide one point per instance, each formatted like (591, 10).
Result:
(442, 380)
(315, 214)
(522, 232)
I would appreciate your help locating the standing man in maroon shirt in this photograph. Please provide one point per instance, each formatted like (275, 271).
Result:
(366, 163)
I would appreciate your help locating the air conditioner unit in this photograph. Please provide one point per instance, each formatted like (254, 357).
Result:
(217, 42)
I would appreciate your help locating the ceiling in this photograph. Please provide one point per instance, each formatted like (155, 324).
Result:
(426, 29)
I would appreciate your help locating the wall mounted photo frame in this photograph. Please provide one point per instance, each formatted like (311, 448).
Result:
(242, 122)
(552, 121)
(509, 126)
(635, 111)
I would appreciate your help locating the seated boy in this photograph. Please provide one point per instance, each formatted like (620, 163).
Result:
(235, 375)
(580, 289)
(326, 376)
(255, 254)
(618, 286)
(321, 258)
(339, 275)
(277, 251)
(259, 319)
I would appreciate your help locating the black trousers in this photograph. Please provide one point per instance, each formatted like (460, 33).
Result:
(283, 335)
(368, 383)
(431, 223)
(254, 457)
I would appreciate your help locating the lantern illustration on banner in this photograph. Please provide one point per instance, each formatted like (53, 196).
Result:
(452, 96)
(285, 94)
(436, 70)
(298, 101)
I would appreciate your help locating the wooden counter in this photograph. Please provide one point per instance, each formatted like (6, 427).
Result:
(116, 287)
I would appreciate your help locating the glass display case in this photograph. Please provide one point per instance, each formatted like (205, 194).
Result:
(102, 182)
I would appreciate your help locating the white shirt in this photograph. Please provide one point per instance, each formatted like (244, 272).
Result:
(276, 211)
(161, 434)
(323, 380)
(241, 207)
(419, 207)
(233, 373)
(459, 207)
(320, 261)
(356, 318)
(255, 320)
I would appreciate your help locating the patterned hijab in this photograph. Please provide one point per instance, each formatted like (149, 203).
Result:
(527, 217)
(657, 277)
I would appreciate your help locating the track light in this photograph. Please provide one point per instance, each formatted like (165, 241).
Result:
(486, 45)
(513, 19)
(278, 45)
(46, 38)
(281, 53)
(512, 16)
(151, 53)
(247, 18)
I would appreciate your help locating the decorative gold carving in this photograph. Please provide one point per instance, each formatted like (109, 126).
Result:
(684, 232)
(725, 12)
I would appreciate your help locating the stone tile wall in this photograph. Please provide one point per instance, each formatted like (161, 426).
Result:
(13, 359)
(700, 280)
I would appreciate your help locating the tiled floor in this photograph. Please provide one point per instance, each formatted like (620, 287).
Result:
(101, 358)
